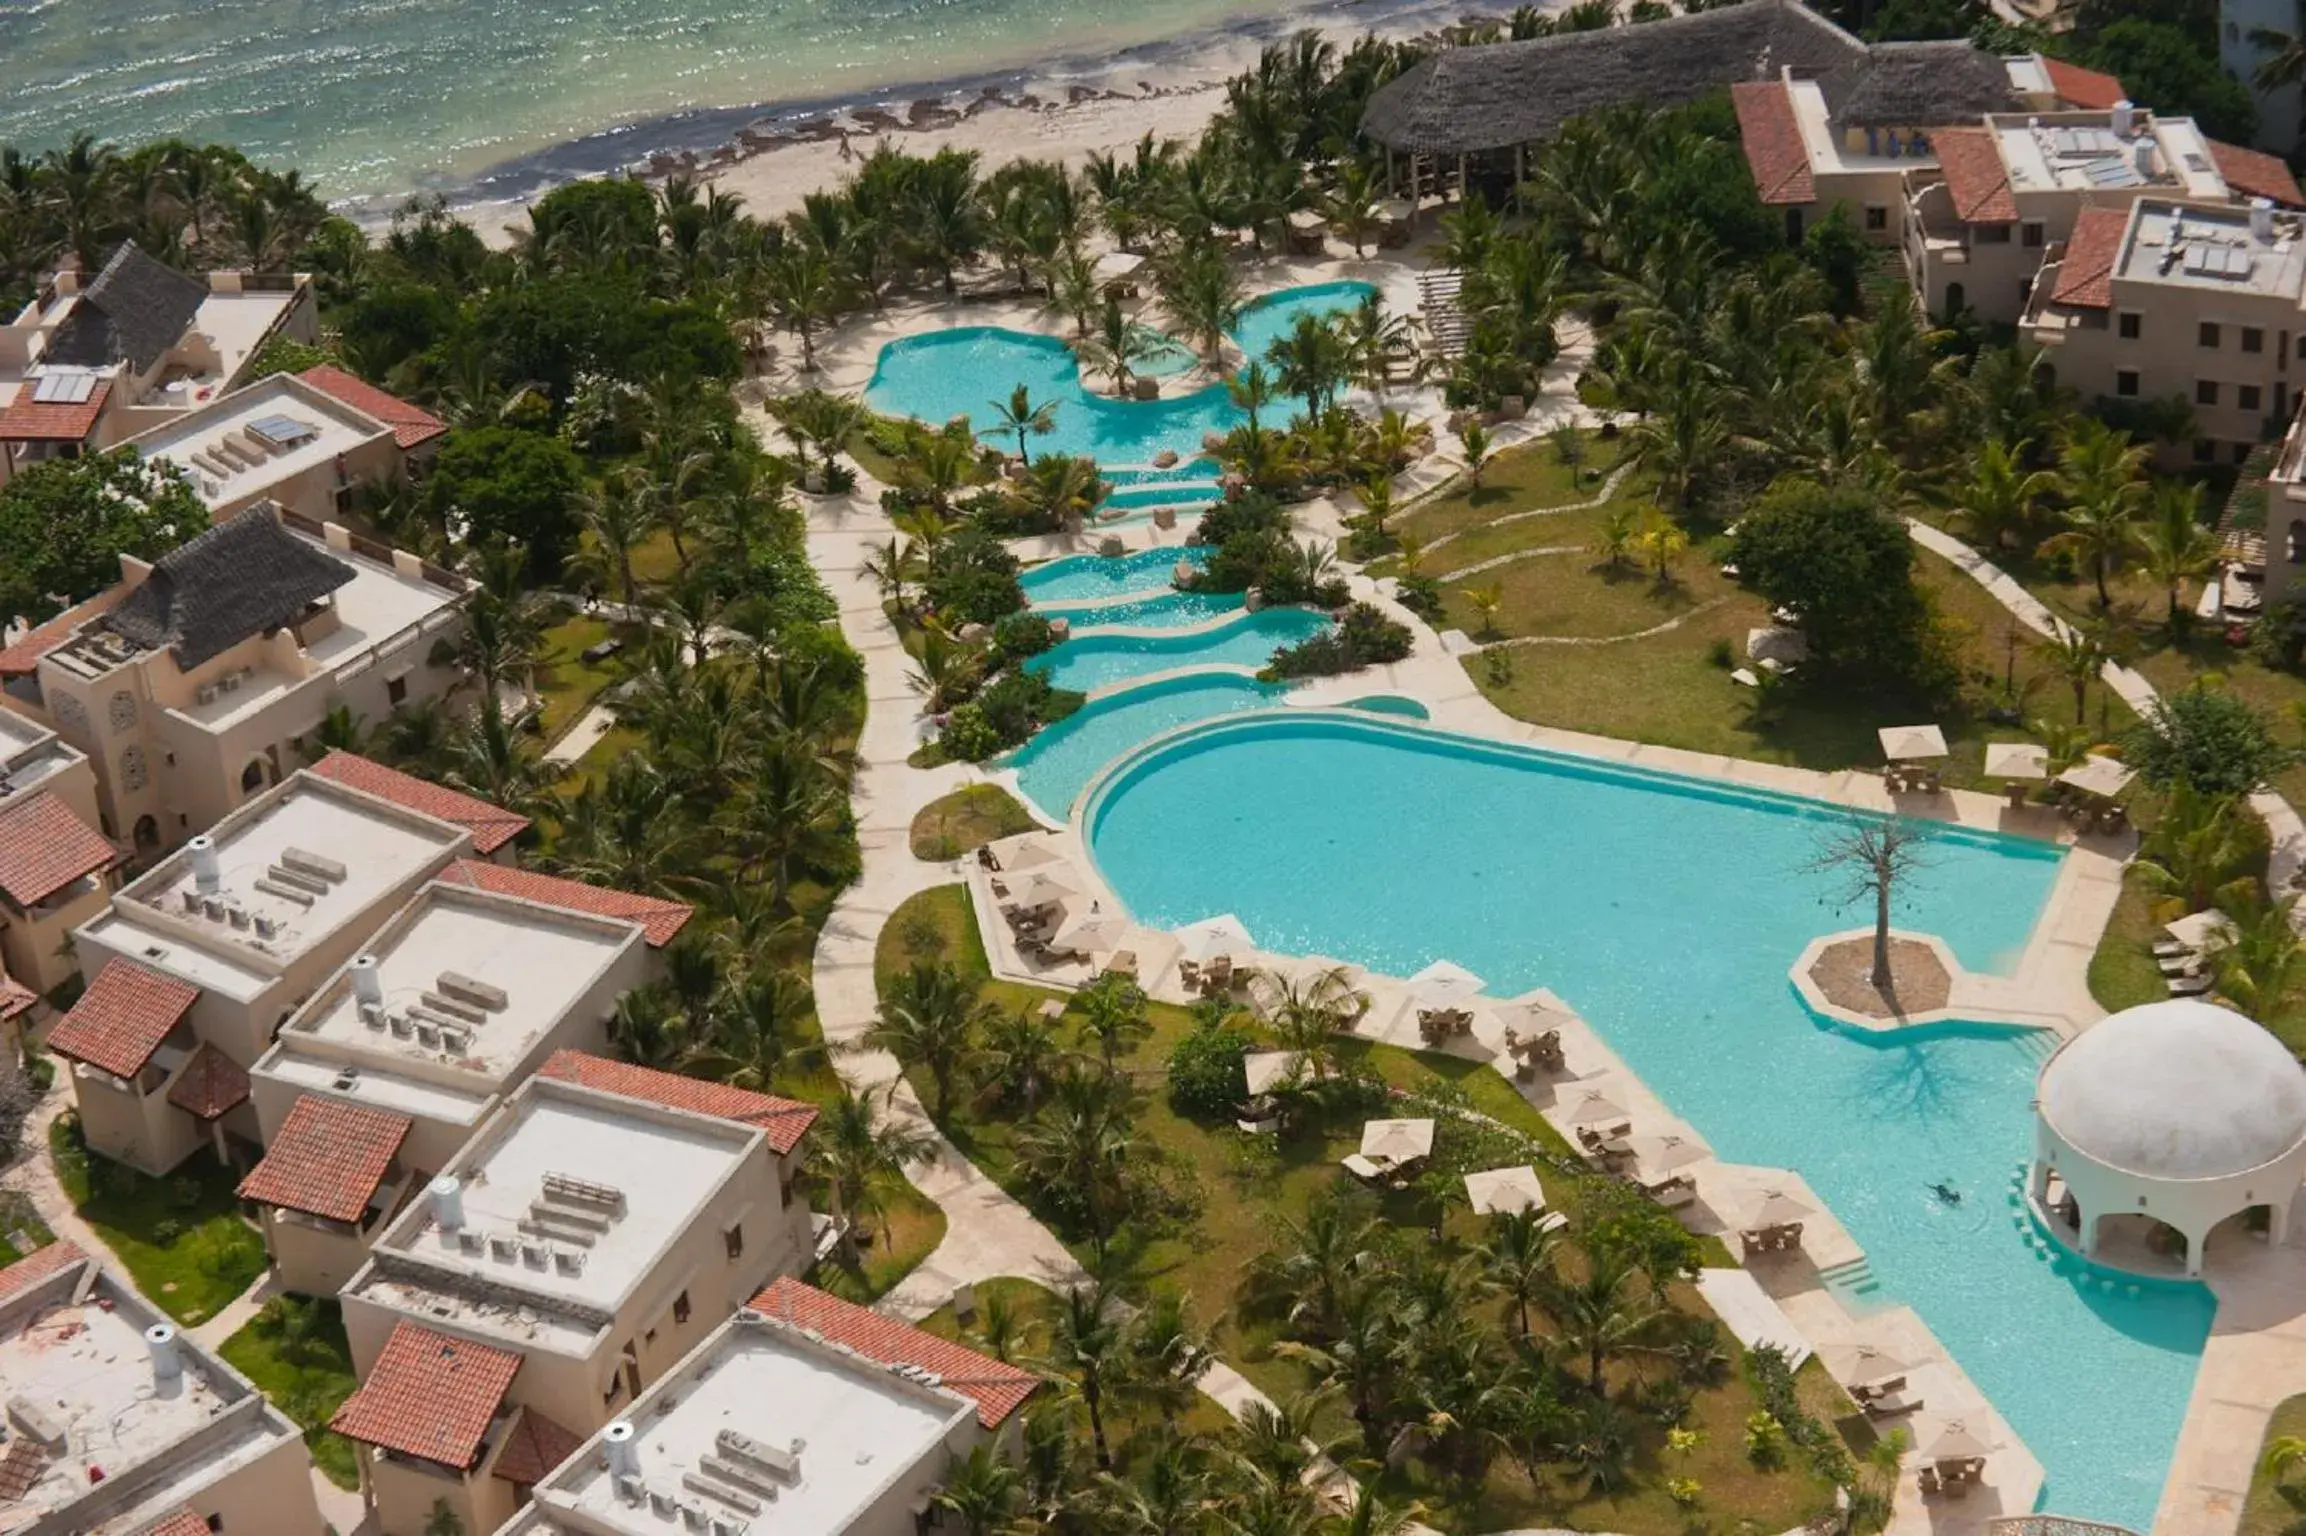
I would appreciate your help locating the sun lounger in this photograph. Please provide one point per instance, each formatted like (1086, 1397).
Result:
(1363, 1169)
(2190, 986)
(1891, 1405)
(1189, 972)
(1675, 1194)
(2188, 964)
(2165, 948)
(986, 858)
(1880, 1386)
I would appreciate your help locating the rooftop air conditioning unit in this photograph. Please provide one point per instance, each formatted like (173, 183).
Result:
(229, 683)
(347, 1077)
(372, 1014)
(192, 901)
(401, 1028)
(468, 1239)
(205, 693)
(632, 1490)
(267, 927)
(212, 908)
(569, 1261)
(503, 1248)
(455, 1040)
(427, 1034)
(532, 1254)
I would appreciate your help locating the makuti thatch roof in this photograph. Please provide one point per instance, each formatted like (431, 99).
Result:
(1925, 85)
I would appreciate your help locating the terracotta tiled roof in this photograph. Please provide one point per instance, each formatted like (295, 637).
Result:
(45, 846)
(410, 424)
(37, 1266)
(1975, 176)
(1773, 142)
(210, 1084)
(999, 1390)
(22, 658)
(2086, 276)
(2254, 173)
(2087, 88)
(27, 420)
(492, 826)
(327, 1159)
(533, 1446)
(428, 1395)
(784, 1119)
(15, 997)
(182, 1522)
(122, 1017)
(659, 919)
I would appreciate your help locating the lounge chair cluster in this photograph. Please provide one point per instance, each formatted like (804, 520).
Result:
(2085, 813)
(1435, 1025)
(1781, 1237)
(1954, 1479)
(2186, 967)
(1596, 1141)
(1219, 978)
(1390, 1151)
(1539, 1053)
(1913, 779)
(1886, 1398)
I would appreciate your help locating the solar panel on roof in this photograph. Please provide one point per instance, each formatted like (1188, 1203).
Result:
(63, 388)
(283, 431)
(2113, 172)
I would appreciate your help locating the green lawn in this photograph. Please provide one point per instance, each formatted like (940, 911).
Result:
(904, 1234)
(1517, 479)
(2267, 1512)
(570, 684)
(968, 818)
(182, 1237)
(295, 1352)
(1249, 1186)
(21, 1229)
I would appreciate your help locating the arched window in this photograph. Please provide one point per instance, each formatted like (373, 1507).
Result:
(252, 776)
(134, 774)
(147, 832)
(122, 710)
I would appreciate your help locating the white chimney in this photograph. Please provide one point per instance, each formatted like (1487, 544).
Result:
(2262, 219)
(207, 869)
(623, 1444)
(2122, 114)
(2146, 158)
(447, 1193)
(367, 985)
(160, 1342)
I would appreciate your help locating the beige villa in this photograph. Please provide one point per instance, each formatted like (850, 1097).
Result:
(599, 1226)
(839, 1420)
(56, 866)
(118, 1425)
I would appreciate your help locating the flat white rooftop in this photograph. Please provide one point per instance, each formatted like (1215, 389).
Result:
(18, 734)
(541, 963)
(857, 1429)
(2213, 250)
(30, 753)
(2080, 152)
(235, 447)
(1828, 154)
(306, 859)
(380, 1087)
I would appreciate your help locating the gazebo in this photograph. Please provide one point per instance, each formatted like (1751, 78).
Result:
(2180, 1111)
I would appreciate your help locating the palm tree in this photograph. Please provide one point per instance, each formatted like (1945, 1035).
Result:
(1361, 1359)
(946, 219)
(980, 1491)
(1614, 540)
(2076, 657)
(2198, 848)
(1113, 1014)
(1167, 1356)
(1518, 1260)
(1117, 347)
(1310, 361)
(1089, 1352)
(1251, 390)
(890, 566)
(1351, 206)
(1078, 1151)
(1997, 505)
(1020, 415)
(2263, 961)
(1317, 1260)
(1474, 440)
(2175, 547)
(340, 730)
(1062, 491)
(2284, 64)
(788, 816)
(802, 291)
(1602, 1315)
(929, 1017)
(1661, 540)
(861, 1154)
(945, 670)
(1017, 1056)
(1683, 444)
(2100, 477)
(616, 520)
(1202, 296)
(1486, 602)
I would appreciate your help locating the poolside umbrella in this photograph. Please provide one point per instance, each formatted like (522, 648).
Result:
(1594, 1107)
(1321, 968)
(1091, 930)
(1503, 1191)
(1268, 1070)
(2016, 760)
(1397, 1141)
(1954, 1441)
(1657, 1155)
(1039, 890)
(2207, 929)
(1908, 743)
(2101, 776)
(1775, 1208)
(1205, 940)
(1032, 855)
(1444, 985)
(1862, 1362)
(1114, 266)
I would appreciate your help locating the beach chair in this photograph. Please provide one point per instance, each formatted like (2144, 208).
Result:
(1929, 1481)
(986, 858)
(1219, 978)
(2165, 948)
(1674, 1194)
(1189, 974)
(1790, 1237)
(1754, 1242)
(1590, 1140)
(1363, 1169)
(1891, 1405)
(2191, 986)
(2187, 964)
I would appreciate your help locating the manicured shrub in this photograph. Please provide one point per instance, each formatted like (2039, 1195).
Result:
(1206, 1080)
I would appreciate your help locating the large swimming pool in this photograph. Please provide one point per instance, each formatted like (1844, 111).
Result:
(1667, 910)
(1164, 610)
(1095, 661)
(1077, 577)
(1058, 763)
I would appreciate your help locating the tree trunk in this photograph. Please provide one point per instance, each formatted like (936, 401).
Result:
(1881, 934)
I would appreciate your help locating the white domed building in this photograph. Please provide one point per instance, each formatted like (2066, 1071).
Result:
(2182, 1112)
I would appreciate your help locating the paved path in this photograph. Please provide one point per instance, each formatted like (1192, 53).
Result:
(583, 736)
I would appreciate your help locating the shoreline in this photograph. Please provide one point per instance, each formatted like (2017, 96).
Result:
(772, 153)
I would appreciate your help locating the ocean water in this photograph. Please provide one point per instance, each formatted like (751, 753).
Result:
(1607, 884)
(373, 97)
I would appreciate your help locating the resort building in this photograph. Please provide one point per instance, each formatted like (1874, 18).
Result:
(92, 362)
(2179, 1115)
(201, 960)
(118, 1424)
(197, 682)
(307, 443)
(600, 1224)
(2166, 299)
(384, 1073)
(56, 867)
(492, 827)
(802, 1413)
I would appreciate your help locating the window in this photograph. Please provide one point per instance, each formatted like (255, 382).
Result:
(734, 1240)
(1877, 218)
(2253, 339)
(2207, 333)
(396, 689)
(252, 778)
(2248, 396)
(2205, 391)
(681, 1307)
(2126, 383)
(2030, 234)
(2132, 323)
(1991, 234)
(648, 1336)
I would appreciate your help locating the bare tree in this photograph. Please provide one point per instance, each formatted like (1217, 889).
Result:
(1872, 854)
(18, 1098)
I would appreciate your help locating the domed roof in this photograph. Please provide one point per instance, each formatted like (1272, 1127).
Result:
(2176, 1090)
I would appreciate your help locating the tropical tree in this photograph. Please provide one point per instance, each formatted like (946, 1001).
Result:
(2199, 848)
(1603, 1314)
(1487, 601)
(980, 1491)
(1113, 1014)
(1518, 1259)
(2077, 658)
(1614, 539)
(1077, 1151)
(929, 1017)
(1474, 441)
(1089, 1352)
(2000, 503)
(861, 1152)
(2174, 546)
(1118, 347)
(2262, 962)
(2099, 473)
(1311, 361)
(1661, 541)
(1023, 416)
(1351, 206)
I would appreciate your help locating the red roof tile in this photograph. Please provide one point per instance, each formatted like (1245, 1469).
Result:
(410, 424)
(2086, 88)
(659, 919)
(2086, 275)
(327, 1159)
(37, 1266)
(492, 826)
(27, 420)
(23, 658)
(210, 1084)
(2254, 173)
(15, 997)
(533, 1446)
(45, 846)
(784, 1119)
(999, 1390)
(182, 1522)
(1773, 142)
(428, 1395)
(1975, 175)
(122, 1017)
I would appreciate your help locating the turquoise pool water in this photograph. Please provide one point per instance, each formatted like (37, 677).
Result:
(1091, 576)
(1391, 704)
(1057, 764)
(1093, 661)
(1169, 610)
(1267, 319)
(1607, 884)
